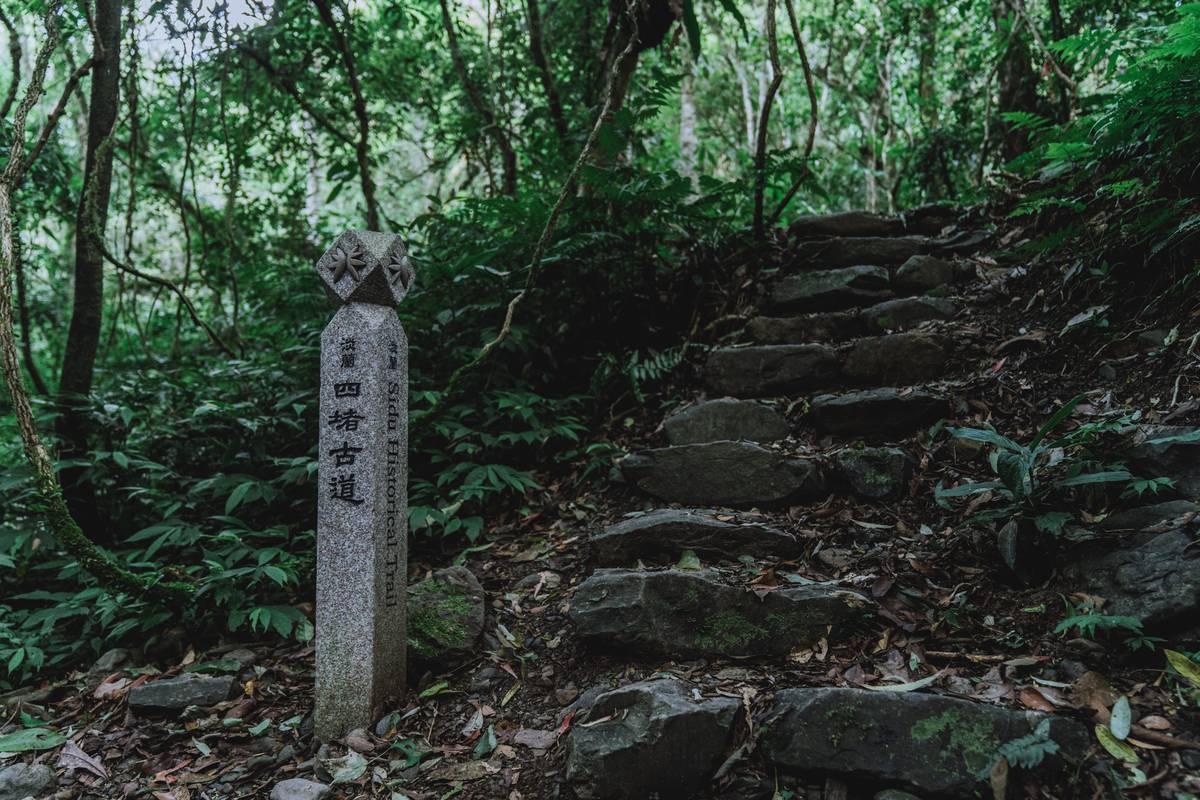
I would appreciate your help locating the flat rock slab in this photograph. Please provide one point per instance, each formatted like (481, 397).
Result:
(906, 312)
(900, 314)
(876, 473)
(830, 290)
(722, 473)
(845, 223)
(923, 273)
(928, 743)
(726, 419)
(171, 695)
(897, 359)
(446, 614)
(1176, 459)
(685, 614)
(878, 413)
(767, 370)
(829, 326)
(649, 739)
(846, 252)
(1158, 517)
(1155, 578)
(668, 532)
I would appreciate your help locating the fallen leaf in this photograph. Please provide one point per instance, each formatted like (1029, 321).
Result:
(72, 757)
(1187, 668)
(1115, 747)
(1154, 722)
(1032, 698)
(535, 739)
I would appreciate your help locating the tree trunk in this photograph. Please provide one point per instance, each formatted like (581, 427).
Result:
(83, 336)
(689, 144)
(538, 53)
(1018, 81)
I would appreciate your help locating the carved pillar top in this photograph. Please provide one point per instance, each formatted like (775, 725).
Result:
(366, 267)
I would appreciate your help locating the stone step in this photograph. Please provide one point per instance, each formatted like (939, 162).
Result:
(860, 286)
(667, 532)
(831, 289)
(928, 220)
(655, 738)
(696, 613)
(847, 252)
(897, 359)
(723, 473)
(773, 370)
(878, 413)
(726, 418)
(897, 315)
(927, 743)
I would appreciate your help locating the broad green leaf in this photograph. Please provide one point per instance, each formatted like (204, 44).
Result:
(1115, 747)
(1055, 420)
(987, 437)
(969, 489)
(30, 739)
(689, 560)
(1188, 669)
(691, 26)
(1089, 478)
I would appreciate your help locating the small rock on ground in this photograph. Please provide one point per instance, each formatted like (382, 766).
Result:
(876, 473)
(176, 694)
(884, 251)
(660, 742)
(299, 789)
(19, 781)
(445, 615)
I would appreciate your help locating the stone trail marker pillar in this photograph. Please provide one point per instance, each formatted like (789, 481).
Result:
(362, 505)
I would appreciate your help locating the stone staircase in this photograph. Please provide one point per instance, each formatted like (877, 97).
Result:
(853, 352)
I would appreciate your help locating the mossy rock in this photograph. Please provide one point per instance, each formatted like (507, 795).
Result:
(693, 613)
(445, 616)
(934, 745)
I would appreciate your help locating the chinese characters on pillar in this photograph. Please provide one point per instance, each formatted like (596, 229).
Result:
(343, 484)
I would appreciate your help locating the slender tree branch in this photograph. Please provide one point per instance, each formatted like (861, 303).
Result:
(14, 54)
(813, 115)
(168, 285)
(291, 90)
(538, 54)
(492, 128)
(56, 113)
(1019, 9)
(362, 149)
(764, 117)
